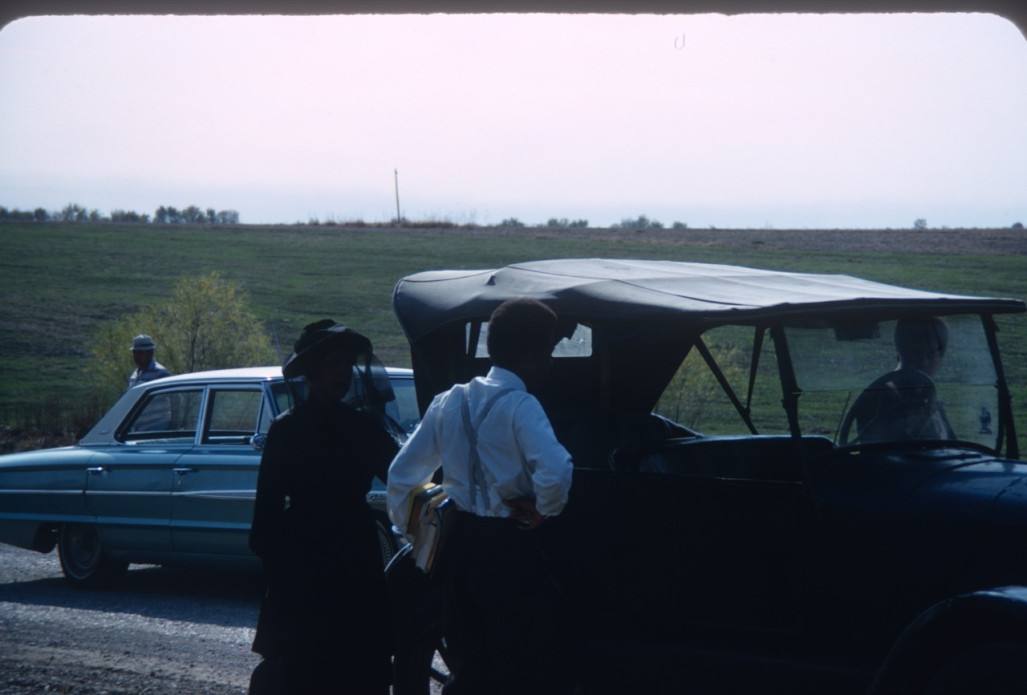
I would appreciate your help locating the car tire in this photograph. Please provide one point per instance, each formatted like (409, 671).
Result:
(420, 653)
(991, 669)
(83, 559)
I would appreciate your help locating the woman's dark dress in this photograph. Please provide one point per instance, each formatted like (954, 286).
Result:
(325, 614)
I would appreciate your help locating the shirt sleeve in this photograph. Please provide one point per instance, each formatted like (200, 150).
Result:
(549, 462)
(414, 465)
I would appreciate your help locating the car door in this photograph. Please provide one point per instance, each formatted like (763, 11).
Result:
(706, 538)
(215, 483)
(128, 488)
(717, 537)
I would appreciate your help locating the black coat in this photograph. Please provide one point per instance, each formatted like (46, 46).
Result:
(325, 604)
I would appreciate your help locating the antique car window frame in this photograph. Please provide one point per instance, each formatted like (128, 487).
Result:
(756, 342)
(744, 411)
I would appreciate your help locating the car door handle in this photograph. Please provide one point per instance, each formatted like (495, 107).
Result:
(95, 470)
(183, 471)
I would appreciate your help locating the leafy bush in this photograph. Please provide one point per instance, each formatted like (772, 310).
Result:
(205, 324)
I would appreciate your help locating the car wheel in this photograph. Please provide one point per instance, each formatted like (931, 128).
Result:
(992, 669)
(420, 661)
(83, 559)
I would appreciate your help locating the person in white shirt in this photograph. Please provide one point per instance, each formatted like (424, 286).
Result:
(500, 602)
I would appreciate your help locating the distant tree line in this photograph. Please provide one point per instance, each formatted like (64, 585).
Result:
(640, 222)
(163, 215)
(194, 215)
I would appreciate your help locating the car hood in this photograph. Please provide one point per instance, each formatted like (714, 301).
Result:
(949, 515)
(972, 495)
(921, 481)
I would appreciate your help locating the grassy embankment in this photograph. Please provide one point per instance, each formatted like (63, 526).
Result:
(58, 282)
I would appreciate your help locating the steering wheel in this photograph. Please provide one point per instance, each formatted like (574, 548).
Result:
(884, 408)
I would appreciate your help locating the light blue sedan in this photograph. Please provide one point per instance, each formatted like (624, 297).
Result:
(168, 476)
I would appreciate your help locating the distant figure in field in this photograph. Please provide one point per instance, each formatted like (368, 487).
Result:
(147, 368)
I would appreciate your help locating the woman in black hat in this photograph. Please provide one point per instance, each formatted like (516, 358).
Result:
(323, 625)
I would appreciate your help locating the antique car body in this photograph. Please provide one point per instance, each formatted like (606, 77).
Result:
(724, 534)
(175, 488)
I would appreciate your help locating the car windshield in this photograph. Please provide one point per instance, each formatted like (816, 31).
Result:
(897, 380)
(855, 385)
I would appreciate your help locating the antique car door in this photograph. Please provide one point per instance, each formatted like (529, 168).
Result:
(701, 549)
(707, 536)
(719, 527)
(128, 489)
(215, 483)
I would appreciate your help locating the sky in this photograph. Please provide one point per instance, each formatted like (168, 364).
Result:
(776, 121)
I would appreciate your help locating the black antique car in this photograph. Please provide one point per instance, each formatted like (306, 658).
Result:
(736, 523)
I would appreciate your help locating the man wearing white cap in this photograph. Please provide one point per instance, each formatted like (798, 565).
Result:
(147, 368)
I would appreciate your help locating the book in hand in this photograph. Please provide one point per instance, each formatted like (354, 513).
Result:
(432, 514)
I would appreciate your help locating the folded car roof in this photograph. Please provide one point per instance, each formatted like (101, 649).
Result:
(611, 289)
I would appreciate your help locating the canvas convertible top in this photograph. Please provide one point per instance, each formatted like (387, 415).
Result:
(700, 293)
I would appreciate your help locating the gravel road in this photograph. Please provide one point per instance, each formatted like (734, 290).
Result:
(163, 631)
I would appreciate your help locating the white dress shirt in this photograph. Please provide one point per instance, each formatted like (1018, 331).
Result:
(520, 456)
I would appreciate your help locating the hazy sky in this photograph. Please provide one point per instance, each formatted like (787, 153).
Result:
(749, 121)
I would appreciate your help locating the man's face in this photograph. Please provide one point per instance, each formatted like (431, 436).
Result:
(931, 356)
(142, 358)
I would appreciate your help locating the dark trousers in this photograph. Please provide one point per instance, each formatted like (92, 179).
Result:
(503, 618)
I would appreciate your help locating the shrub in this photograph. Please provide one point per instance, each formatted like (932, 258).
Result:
(205, 324)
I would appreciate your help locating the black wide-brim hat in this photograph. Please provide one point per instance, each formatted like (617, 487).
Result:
(317, 340)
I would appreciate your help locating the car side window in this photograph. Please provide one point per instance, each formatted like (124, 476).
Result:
(403, 408)
(286, 394)
(165, 415)
(739, 361)
(233, 415)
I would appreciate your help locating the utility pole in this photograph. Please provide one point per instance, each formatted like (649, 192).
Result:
(399, 219)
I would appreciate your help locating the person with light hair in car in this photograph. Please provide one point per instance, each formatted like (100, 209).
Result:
(903, 404)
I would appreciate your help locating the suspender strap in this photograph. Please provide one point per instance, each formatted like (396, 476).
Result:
(477, 473)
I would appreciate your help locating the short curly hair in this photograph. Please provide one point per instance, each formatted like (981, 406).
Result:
(519, 327)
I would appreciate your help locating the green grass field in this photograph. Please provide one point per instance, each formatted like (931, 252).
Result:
(58, 282)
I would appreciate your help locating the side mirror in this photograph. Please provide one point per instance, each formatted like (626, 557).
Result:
(258, 441)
